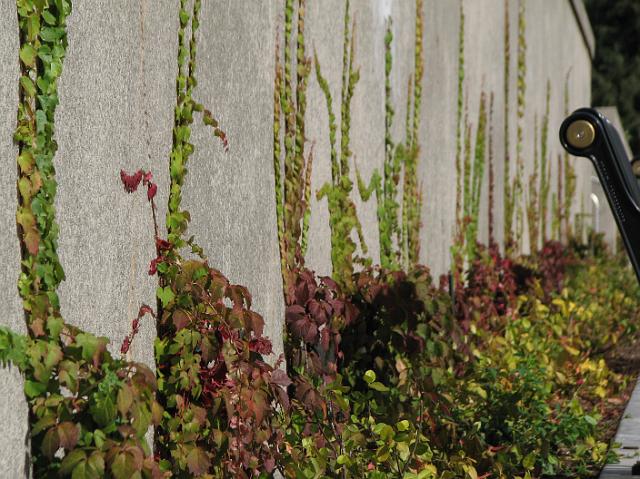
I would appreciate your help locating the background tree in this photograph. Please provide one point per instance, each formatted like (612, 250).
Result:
(616, 69)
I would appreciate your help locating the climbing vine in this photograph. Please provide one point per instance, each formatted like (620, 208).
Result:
(492, 180)
(518, 185)
(88, 412)
(293, 195)
(470, 166)
(459, 235)
(411, 190)
(343, 219)
(507, 192)
(533, 198)
(186, 106)
(472, 202)
(545, 167)
(568, 173)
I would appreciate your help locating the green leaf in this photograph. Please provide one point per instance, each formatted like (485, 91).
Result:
(49, 18)
(529, 461)
(33, 389)
(403, 425)
(125, 399)
(28, 86)
(165, 295)
(123, 466)
(50, 443)
(71, 460)
(369, 376)
(51, 34)
(103, 410)
(590, 420)
(377, 386)
(28, 55)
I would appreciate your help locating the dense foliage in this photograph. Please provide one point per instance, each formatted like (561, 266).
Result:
(494, 372)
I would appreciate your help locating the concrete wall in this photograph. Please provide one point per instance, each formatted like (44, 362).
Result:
(13, 407)
(116, 111)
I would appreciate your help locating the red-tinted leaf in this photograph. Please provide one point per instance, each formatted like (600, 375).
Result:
(126, 344)
(325, 339)
(131, 182)
(198, 461)
(153, 266)
(255, 323)
(280, 378)
(261, 346)
(50, 442)
(294, 312)
(145, 309)
(163, 245)
(68, 433)
(32, 241)
(180, 319)
(151, 192)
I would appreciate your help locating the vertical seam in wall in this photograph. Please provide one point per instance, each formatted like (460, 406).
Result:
(584, 25)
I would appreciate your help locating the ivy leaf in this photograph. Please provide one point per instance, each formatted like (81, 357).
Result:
(33, 389)
(50, 443)
(28, 55)
(198, 461)
(28, 86)
(95, 466)
(156, 412)
(529, 461)
(71, 460)
(103, 410)
(26, 162)
(49, 18)
(32, 241)
(403, 425)
(280, 378)
(180, 319)
(377, 386)
(369, 376)
(125, 399)
(92, 347)
(151, 191)
(131, 182)
(51, 34)
(68, 433)
(165, 295)
(123, 466)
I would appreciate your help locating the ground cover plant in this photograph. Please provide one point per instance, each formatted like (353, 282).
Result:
(499, 370)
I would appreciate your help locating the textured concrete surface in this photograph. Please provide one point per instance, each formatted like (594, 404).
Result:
(13, 407)
(116, 111)
(231, 196)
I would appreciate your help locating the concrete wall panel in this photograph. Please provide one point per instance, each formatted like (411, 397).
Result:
(231, 196)
(13, 407)
(116, 111)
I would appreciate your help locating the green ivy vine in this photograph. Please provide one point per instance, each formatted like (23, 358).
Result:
(88, 412)
(518, 185)
(343, 218)
(292, 169)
